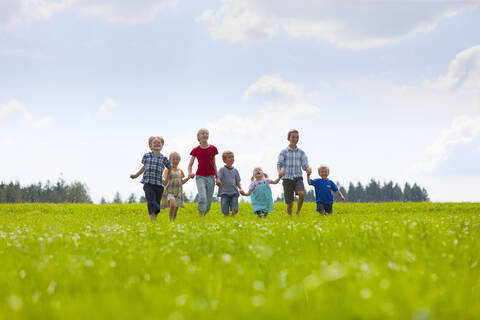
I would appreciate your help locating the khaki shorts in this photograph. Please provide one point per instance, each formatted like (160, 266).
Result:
(290, 186)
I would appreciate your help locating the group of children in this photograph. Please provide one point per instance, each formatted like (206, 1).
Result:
(163, 180)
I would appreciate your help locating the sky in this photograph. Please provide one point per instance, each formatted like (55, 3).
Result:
(388, 90)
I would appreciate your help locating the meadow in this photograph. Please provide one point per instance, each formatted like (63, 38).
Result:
(366, 261)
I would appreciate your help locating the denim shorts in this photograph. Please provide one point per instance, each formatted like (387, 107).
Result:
(229, 202)
(327, 207)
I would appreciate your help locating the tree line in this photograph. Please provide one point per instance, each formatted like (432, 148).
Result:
(75, 192)
(374, 191)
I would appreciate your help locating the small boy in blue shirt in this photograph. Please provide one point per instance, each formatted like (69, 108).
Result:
(323, 190)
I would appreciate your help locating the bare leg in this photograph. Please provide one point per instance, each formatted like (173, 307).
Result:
(289, 208)
(153, 216)
(172, 206)
(201, 213)
(301, 196)
(175, 214)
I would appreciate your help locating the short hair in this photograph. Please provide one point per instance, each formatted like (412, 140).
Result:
(200, 131)
(173, 154)
(226, 153)
(253, 177)
(290, 132)
(324, 166)
(150, 140)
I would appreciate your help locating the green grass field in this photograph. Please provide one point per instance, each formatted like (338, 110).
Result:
(366, 261)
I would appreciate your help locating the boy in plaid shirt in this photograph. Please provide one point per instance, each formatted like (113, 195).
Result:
(291, 162)
(153, 165)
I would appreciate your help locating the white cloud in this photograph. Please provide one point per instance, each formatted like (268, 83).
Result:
(463, 72)
(272, 84)
(20, 53)
(107, 107)
(461, 80)
(256, 138)
(287, 104)
(352, 25)
(17, 106)
(464, 130)
(15, 12)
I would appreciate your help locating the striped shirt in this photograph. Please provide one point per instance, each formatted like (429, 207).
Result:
(292, 162)
(154, 166)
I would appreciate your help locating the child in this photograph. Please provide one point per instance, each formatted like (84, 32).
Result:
(262, 200)
(153, 164)
(291, 161)
(323, 190)
(173, 195)
(230, 184)
(206, 174)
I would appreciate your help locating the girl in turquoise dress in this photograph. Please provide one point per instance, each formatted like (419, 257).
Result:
(261, 194)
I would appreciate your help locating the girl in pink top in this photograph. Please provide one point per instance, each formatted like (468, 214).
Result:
(206, 174)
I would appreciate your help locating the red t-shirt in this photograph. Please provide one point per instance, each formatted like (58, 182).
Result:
(205, 159)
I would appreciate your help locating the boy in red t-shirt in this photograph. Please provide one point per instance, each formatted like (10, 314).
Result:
(206, 174)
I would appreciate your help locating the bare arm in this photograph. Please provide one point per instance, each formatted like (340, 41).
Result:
(190, 167)
(166, 177)
(278, 179)
(185, 179)
(134, 176)
(279, 169)
(217, 179)
(246, 194)
(305, 165)
(308, 178)
(340, 195)
(239, 186)
(280, 162)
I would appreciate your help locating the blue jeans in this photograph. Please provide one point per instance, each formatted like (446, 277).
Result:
(153, 194)
(205, 186)
(229, 202)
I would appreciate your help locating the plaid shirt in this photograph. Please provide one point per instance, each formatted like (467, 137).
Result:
(154, 166)
(292, 162)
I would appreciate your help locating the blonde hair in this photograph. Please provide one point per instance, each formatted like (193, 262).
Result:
(226, 153)
(324, 166)
(290, 132)
(200, 131)
(264, 174)
(150, 140)
(173, 154)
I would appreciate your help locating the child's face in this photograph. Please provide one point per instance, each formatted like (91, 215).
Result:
(157, 145)
(258, 173)
(229, 159)
(323, 172)
(203, 136)
(293, 139)
(175, 160)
